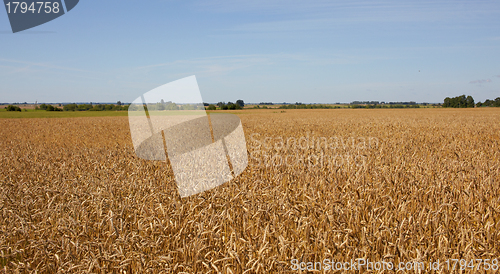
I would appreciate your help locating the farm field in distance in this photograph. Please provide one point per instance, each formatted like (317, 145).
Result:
(31, 113)
(399, 185)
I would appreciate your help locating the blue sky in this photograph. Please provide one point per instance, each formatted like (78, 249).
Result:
(258, 51)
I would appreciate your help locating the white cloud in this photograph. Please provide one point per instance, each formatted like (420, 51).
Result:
(216, 65)
(298, 15)
(482, 81)
(356, 9)
(219, 65)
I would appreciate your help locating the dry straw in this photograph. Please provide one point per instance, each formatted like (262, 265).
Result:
(74, 198)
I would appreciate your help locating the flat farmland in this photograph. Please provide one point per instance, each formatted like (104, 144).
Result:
(393, 185)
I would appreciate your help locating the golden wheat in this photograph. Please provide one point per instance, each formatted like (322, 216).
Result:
(75, 198)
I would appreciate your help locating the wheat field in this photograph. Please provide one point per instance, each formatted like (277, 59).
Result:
(402, 185)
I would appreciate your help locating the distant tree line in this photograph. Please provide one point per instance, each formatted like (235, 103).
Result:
(489, 103)
(365, 102)
(25, 103)
(227, 106)
(321, 106)
(386, 106)
(169, 105)
(401, 103)
(459, 102)
(91, 107)
(468, 102)
(307, 106)
(384, 103)
(48, 107)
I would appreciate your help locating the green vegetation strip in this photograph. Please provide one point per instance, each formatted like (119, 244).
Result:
(58, 114)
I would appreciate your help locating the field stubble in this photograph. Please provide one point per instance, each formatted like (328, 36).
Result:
(75, 198)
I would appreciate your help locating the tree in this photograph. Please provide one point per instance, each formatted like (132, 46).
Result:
(171, 106)
(489, 103)
(211, 107)
(13, 108)
(240, 103)
(459, 102)
(70, 107)
(233, 106)
(83, 107)
(98, 107)
(120, 103)
(187, 107)
(52, 108)
(469, 102)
